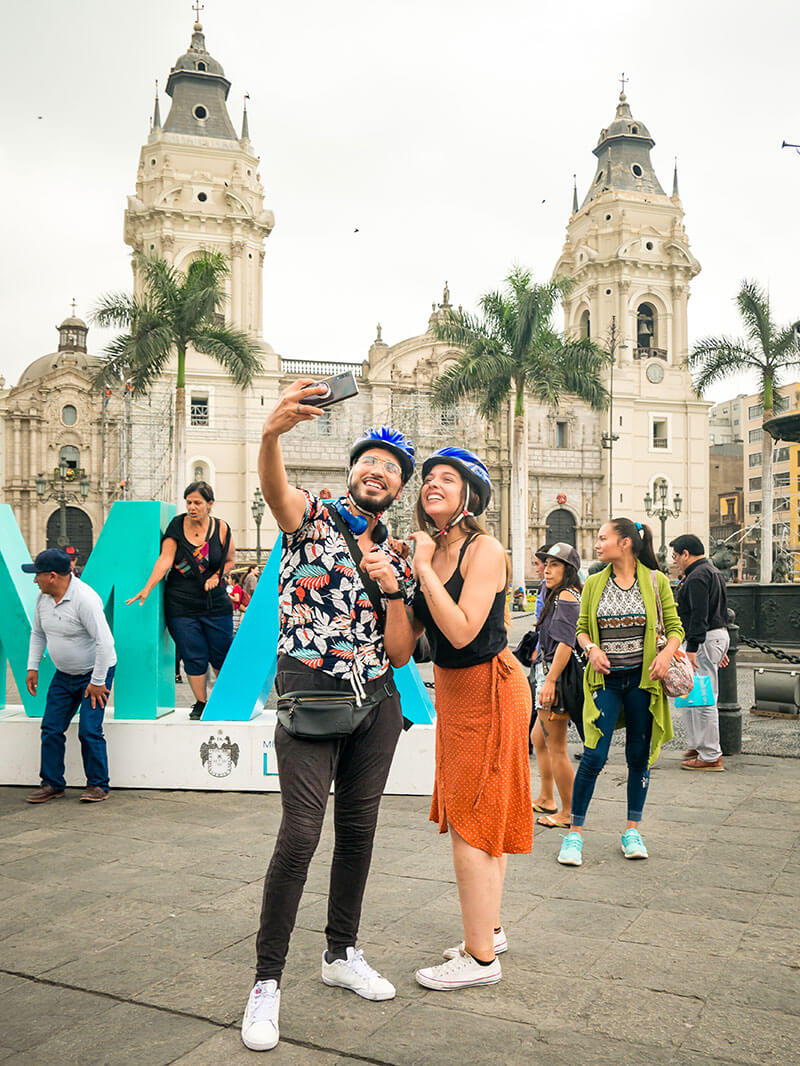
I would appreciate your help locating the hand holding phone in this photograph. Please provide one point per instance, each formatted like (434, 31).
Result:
(341, 387)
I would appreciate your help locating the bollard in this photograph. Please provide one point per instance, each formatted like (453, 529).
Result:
(730, 713)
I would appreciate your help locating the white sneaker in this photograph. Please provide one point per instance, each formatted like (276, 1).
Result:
(500, 945)
(355, 973)
(260, 1021)
(461, 972)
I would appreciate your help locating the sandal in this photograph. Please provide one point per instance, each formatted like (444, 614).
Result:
(544, 810)
(549, 823)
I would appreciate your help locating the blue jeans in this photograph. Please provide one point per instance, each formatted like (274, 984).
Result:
(64, 698)
(200, 641)
(622, 692)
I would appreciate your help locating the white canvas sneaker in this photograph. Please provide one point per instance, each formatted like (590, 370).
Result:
(260, 1021)
(461, 972)
(355, 973)
(500, 945)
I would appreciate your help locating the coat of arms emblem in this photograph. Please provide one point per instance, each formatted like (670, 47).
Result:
(219, 755)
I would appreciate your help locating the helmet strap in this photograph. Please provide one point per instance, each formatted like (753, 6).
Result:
(459, 517)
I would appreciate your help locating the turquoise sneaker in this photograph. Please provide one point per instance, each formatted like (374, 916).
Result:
(633, 845)
(571, 848)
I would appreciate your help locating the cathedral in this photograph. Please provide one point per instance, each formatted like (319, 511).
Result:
(69, 450)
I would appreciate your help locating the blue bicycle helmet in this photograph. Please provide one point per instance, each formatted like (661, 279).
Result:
(469, 466)
(390, 439)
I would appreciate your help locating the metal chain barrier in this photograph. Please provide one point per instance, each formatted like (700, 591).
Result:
(767, 650)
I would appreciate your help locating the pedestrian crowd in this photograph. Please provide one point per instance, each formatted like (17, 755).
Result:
(353, 607)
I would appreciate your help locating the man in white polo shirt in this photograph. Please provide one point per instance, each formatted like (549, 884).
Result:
(69, 621)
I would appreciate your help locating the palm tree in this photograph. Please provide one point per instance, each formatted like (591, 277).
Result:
(513, 350)
(177, 312)
(768, 350)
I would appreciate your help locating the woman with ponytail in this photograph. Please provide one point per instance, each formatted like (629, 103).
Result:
(617, 631)
(481, 791)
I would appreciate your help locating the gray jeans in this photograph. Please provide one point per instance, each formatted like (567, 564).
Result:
(702, 723)
(358, 766)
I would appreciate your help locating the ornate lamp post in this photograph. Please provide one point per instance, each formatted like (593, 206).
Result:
(257, 510)
(658, 509)
(63, 475)
(607, 439)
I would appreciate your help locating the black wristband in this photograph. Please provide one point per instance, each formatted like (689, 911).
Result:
(394, 595)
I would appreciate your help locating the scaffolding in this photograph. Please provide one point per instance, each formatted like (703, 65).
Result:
(136, 442)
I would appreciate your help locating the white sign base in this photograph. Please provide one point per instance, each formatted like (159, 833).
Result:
(175, 752)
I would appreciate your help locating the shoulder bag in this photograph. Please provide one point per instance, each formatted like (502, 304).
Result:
(680, 675)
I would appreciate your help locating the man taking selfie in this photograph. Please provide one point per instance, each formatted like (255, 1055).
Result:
(343, 592)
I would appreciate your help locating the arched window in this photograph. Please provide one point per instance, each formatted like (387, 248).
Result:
(646, 326)
(70, 457)
(560, 527)
(585, 325)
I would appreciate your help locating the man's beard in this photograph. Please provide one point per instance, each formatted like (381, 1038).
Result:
(372, 505)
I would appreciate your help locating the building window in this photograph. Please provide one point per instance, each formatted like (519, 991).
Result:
(781, 403)
(200, 112)
(755, 411)
(324, 424)
(781, 481)
(199, 410)
(561, 434)
(645, 326)
(70, 457)
(754, 459)
(660, 436)
(754, 435)
(754, 484)
(448, 417)
(637, 170)
(69, 414)
(585, 325)
(754, 507)
(782, 455)
(781, 503)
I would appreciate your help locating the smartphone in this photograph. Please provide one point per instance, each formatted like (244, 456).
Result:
(341, 387)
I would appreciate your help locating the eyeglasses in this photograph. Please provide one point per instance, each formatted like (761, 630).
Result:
(387, 464)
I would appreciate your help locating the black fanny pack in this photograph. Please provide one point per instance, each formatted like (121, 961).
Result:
(319, 715)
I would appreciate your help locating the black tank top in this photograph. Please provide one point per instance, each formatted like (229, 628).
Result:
(489, 642)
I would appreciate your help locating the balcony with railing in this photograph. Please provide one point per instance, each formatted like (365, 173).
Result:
(650, 353)
(318, 368)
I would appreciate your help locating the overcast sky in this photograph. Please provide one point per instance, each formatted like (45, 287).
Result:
(445, 131)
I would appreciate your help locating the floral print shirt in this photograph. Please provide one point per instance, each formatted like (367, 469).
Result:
(326, 618)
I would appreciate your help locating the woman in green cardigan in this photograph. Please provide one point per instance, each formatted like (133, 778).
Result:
(622, 682)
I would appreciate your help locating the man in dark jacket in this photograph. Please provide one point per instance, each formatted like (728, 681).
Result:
(703, 609)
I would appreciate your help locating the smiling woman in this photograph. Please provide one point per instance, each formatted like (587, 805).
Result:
(481, 790)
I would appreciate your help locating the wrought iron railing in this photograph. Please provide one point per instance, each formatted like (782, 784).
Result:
(320, 368)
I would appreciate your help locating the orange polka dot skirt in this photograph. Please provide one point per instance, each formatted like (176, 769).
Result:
(483, 784)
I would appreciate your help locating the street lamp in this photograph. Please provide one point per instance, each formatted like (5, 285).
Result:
(607, 439)
(63, 475)
(658, 509)
(257, 510)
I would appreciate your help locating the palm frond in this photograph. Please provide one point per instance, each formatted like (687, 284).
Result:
(753, 304)
(114, 309)
(713, 359)
(237, 352)
(161, 281)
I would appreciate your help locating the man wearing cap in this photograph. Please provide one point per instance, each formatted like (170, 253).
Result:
(340, 635)
(70, 623)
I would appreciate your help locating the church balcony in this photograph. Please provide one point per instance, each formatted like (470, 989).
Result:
(318, 368)
(650, 353)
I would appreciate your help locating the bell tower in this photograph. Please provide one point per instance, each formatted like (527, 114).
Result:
(628, 255)
(198, 185)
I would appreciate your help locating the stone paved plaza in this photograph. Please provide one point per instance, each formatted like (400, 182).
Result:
(127, 931)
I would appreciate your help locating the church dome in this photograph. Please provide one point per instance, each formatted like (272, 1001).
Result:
(47, 364)
(71, 352)
(623, 157)
(197, 58)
